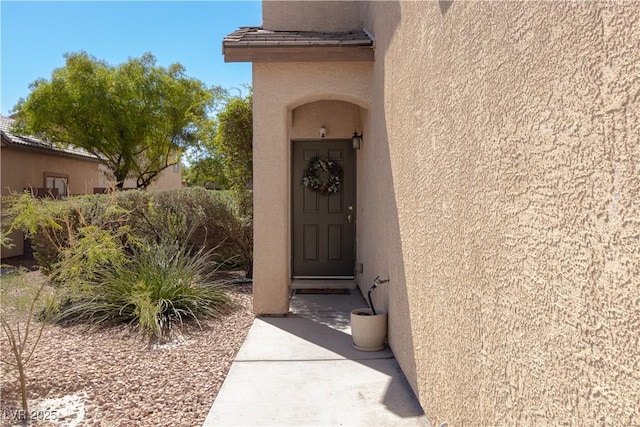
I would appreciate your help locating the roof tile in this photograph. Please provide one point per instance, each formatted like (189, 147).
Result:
(30, 142)
(259, 37)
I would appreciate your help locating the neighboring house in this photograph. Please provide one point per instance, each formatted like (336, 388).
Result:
(168, 179)
(496, 186)
(28, 162)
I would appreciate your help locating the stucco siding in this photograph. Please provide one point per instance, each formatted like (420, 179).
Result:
(168, 179)
(282, 87)
(339, 118)
(498, 189)
(22, 169)
(312, 15)
(507, 158)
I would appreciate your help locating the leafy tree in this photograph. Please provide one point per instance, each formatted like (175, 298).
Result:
(234, 141)
(224, 158)
(138, 117)
(207, 171)
(205, 168)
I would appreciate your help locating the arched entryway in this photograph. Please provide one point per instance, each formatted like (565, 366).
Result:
(323, 223)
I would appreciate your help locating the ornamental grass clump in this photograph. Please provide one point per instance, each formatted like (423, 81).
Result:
(162, 285)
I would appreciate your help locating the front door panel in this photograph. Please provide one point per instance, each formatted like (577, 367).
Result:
(323, 225)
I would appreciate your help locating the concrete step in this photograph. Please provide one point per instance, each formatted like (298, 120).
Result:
(323, 284)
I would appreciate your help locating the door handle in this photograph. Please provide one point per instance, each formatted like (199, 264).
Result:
(350, 218)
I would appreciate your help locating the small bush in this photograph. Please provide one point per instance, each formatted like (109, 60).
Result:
(203, 218)
(38, 220)
(239, 226)
(190, 214)
(195, 216)
(161, 284)
(54, 225)
(21, 300)
(135, 257)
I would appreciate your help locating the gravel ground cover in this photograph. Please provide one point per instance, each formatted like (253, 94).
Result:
(113, 377)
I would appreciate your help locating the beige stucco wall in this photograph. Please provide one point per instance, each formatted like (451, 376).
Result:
(283, 87)
(497, 190)
(22, 169)
(508, 162)
(339, 118)
(168, 179)
(312, 15)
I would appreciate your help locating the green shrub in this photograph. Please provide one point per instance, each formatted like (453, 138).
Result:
(137, 257)
(61, 230)
(238, 225)
(161, 284)
(33, 217)
(215, 220)
(189, 214)
(54, 225)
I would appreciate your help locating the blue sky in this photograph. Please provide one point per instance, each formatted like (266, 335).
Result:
(36, 35)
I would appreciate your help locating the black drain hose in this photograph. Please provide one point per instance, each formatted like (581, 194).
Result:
(375, 285)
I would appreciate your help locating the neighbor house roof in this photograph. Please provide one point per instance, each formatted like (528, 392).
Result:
(29, 143)
(255, 44)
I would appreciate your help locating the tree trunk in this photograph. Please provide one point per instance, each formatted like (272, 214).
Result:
(23, 385)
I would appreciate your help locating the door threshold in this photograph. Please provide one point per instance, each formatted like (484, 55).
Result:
(323, 283)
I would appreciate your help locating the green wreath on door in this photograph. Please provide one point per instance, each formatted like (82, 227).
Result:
(311, 180)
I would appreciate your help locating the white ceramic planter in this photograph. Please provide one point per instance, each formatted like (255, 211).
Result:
(368, 330)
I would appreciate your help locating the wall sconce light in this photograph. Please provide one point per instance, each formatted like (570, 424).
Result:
(356, 140)
(323, 131)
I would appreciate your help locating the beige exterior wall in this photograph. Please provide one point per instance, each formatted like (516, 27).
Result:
(312, 15)
(22, 169)
(339, 118)
(283, 87)
(513, 156)
(169, 179)
(497, 190)
(17, 240)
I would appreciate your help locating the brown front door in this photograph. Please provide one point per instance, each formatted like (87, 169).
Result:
(323, 224)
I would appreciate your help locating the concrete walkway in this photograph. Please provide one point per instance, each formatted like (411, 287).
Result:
(301, 370)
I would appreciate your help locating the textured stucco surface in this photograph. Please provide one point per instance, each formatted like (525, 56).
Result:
(168, 179)
(22, 169)
(339, 118)
(498, 190)
(284, 88)
(312, 15)
(514, 156)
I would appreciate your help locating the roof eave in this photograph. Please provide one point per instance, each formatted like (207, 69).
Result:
(298, 54)
(10, 144)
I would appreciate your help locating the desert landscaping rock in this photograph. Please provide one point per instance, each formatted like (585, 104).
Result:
(114, 378)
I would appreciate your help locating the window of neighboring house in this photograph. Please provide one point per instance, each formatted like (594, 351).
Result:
(57, 181)
(176, 167)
